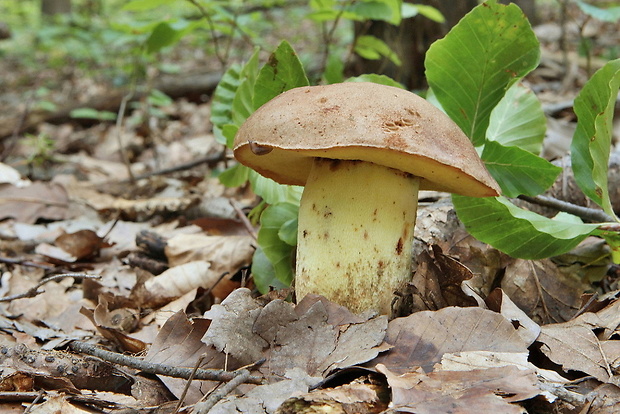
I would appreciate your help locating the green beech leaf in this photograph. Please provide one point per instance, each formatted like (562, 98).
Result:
(161, 36)
(279, 253)
(386, 10)
(91, 113)
(222, 101)
(235, 176)
(243, 105)
(264, 274)
(517, 232)
(373, 48)
(612, 238)
(518, 120)
(166, 34)
(594, 107)
(334, 71)
(282, 72)
(288, 232)
(410, 10)
(490, 49)
(518, 171)
(610, 14)
(273, 192)
(374, 78)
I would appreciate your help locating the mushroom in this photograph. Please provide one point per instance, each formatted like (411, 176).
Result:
(362, 151)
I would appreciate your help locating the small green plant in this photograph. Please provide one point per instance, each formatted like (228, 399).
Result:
(328, 14)
(41, 149)
(474, 75)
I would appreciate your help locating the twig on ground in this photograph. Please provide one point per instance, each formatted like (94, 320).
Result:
(189, 381)
(244, 219)
(241, 377)
(160, 369)
(34, 291)
(220, 156)
(23, 262)
(589, 214)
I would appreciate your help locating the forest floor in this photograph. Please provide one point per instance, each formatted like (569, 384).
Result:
(119, 237)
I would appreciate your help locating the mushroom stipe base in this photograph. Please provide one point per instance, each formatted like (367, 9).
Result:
(356, 224)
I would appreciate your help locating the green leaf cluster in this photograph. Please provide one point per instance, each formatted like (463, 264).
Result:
(474, 73)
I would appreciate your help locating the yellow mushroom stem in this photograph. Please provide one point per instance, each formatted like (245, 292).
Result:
(356, 222)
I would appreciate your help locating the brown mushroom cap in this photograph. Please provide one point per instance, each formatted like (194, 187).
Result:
(361, 121)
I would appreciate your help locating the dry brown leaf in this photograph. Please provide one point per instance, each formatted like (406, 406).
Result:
(437, 283)
(421, 339)
(356, 397)
(543, 292)
(499, 302)
(82, 244)
(266, 399)
(606, 400)
(231, 330)
(179, 280)
(288, 338)
(37, 201)
(58, 404)
(463, 392)
(484, 261)
(224, 252)
(576, 346)
(179, 344)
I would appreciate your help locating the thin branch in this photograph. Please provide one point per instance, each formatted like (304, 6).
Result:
(34, 291)
(216, 44)
(588, 214)
(240, 378)
(159, 369)
(209, 159)
(244, 219)
(23, 262)
(119, 131)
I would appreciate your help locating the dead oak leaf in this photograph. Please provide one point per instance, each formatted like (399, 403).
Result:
(543, 292)
(576, 346)
(39, 200)
(179, 344)
(307, 339)
(422, 338)
(464, 392)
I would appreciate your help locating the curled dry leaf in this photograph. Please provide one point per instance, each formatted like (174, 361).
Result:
(121, 339)
(437, 283)
(82, 244)
(421, 339)
(499, 302)
(223, 252)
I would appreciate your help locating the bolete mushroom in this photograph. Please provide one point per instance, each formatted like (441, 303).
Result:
(362, 151)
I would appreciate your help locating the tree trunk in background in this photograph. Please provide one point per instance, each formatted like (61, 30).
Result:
(414, 36)
(411, 40)
(51, 7)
